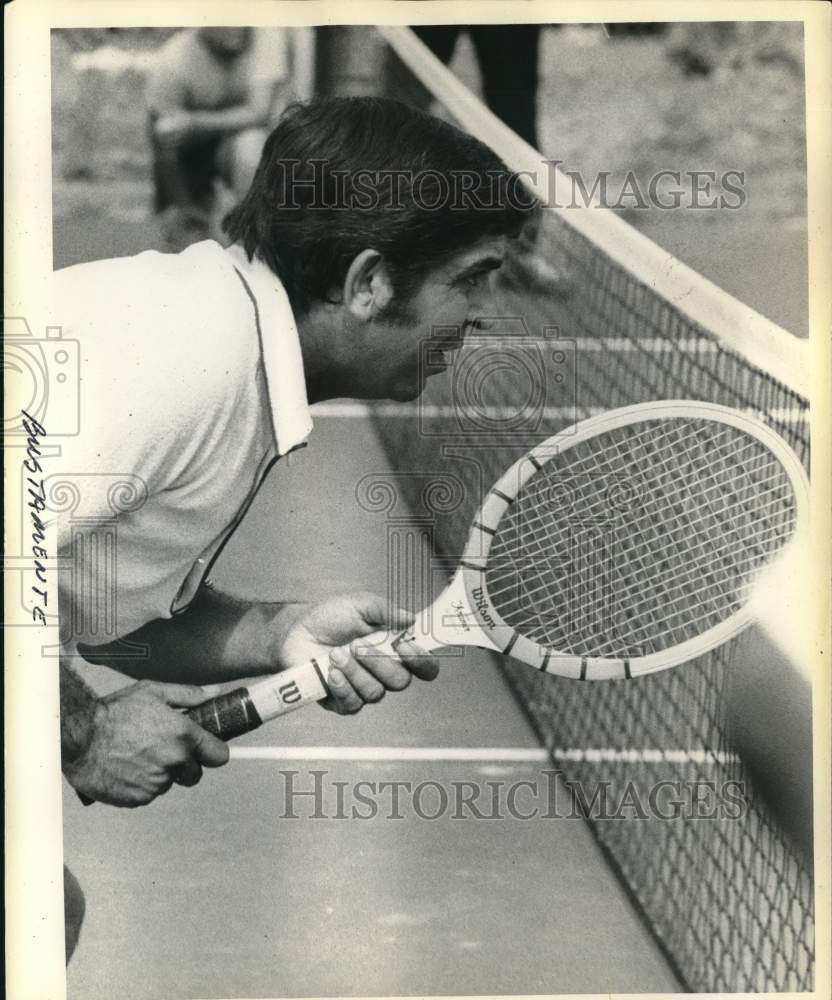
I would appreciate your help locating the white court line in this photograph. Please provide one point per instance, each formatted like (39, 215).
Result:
(600, 755)
(522, 755)
(432, 411)
(487, 754)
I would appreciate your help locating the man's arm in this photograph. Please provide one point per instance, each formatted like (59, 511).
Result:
(170, 104)
(174, 124)
(219, 638)
(78, 707)
(131, 746)
(269, 84)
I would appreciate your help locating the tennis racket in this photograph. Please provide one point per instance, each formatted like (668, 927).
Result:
(622, 546)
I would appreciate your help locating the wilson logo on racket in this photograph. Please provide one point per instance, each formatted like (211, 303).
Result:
(483, 608)
(289, 693)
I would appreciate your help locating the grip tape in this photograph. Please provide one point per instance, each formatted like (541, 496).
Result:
(227, 715)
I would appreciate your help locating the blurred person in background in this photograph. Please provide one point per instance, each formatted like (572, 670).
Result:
(507, 55)
(213, 96)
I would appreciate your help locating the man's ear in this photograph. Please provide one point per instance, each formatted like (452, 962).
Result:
(368, 289)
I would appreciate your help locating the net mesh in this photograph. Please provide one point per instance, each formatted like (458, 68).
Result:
(640, 538)
(728, 898)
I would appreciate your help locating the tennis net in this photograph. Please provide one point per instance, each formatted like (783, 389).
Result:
(619, 321)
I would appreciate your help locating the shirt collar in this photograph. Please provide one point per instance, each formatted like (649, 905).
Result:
(280, 350)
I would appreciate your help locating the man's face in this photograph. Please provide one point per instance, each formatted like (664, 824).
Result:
(415, 340)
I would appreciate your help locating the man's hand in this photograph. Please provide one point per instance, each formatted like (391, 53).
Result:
(330, 632)
(140, 744)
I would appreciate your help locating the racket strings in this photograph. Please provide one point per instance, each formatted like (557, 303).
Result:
(729, 510)
(744, 565)
(529, 523)
(602, 505)
(714, 583)
(599, 604)
(713, 504)
(711, 580)
(534, 497)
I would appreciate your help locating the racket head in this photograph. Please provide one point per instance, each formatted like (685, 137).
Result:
(669, 467)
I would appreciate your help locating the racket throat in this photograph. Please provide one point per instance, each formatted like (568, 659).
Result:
(452, 620)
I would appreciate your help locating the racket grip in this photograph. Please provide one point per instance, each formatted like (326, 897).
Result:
(228, 715)
(244, 709)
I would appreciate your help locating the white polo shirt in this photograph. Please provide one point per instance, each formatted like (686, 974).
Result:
(191, 386)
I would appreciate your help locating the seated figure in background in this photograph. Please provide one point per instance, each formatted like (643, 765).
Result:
(213, 96)
(507, 55)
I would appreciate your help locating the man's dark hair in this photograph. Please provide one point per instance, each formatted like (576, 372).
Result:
(341, 175)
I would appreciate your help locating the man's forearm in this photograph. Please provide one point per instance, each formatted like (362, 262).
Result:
(217, 639)
(78, 707)
(235, 119)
